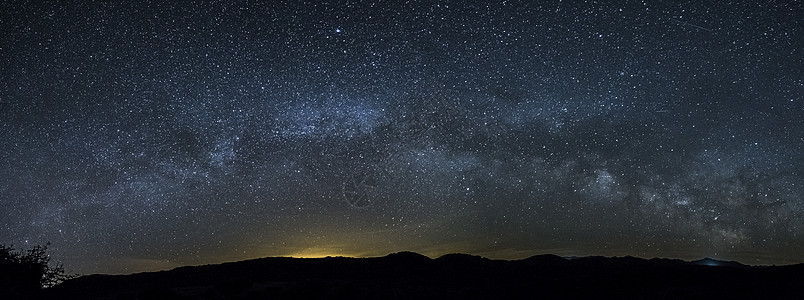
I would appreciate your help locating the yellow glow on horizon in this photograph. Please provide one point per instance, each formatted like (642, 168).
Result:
(319, 252)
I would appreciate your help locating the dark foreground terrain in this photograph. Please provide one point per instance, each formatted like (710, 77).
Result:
(409, 275)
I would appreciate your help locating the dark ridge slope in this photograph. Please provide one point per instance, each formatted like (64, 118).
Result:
(408, 275)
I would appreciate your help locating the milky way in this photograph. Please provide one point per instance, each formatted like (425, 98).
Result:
(139, 135)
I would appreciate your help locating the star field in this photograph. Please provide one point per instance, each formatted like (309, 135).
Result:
(138, 136)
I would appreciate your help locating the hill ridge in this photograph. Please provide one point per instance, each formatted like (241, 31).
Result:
(446, 276)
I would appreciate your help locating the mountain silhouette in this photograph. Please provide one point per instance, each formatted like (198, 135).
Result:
(409, 275)
(545, 260)
(718, 263)
(408, 257)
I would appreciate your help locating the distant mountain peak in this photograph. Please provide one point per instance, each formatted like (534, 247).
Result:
(407, 255)
(707, 261)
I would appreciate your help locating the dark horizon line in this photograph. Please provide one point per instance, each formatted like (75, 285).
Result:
(709, 261)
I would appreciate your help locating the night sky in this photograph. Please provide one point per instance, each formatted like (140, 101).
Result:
(139, 136)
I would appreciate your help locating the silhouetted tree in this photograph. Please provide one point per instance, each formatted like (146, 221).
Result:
(27, 272)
